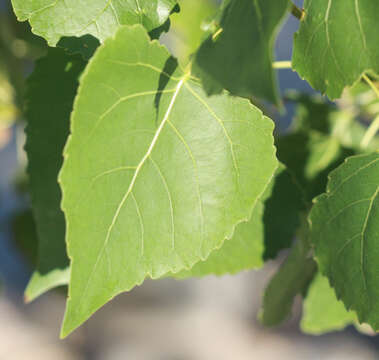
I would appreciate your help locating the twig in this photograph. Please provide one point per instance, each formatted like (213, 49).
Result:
(374, 126)
(282, 65)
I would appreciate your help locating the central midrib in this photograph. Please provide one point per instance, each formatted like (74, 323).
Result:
(139, 167)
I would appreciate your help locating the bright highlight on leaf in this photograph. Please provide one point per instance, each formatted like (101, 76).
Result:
(337, 42)
(345, 232)
(53, 19)
(156, 175)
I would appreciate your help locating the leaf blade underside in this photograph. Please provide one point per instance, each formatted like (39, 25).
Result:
(239, 59)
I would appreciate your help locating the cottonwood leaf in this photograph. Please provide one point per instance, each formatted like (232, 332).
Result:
(292, 279)
(322, 311)
(53, 19)
(345, 230)
(156, 175)
(243, 252)
(189, 25)
(337, 42)
(270, 229)
(25, 236)
(50, 95)
(238, 57)
(283, 206)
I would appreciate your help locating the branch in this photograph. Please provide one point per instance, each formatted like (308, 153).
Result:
(282, 65)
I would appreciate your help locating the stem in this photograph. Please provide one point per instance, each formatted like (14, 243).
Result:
(370, 133)
(217, 33)
(282, 65)
(374, 126)
(297, 12)
(371, 84)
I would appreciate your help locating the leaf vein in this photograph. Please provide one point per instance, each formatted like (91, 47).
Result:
(165, 184)
(214, 115)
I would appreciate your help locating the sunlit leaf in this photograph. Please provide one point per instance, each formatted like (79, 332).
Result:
(156, 175)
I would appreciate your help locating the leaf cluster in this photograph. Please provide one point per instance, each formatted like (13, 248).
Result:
(145, 166)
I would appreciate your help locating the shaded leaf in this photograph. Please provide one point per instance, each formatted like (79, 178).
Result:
(50, 94)
(284, 203)
(322, 311)
(55, 19)
(292, 279)
(85, 45)
(319, 141)
(343, 124)
(337, 42)
(158, 188)
(311, 156)
(25, 236)
(345, 230)
(238, 57)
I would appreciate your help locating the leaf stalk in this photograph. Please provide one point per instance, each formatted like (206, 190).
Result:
(374, 126)
(282, 64)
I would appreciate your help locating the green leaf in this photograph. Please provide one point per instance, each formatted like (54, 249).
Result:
(54, 19)
(284, 203)
(25, 236)
(337, 42)
(243, 252)
(345, 230)
(319, 155)
(189, 26)
(292, 279)
(322, 311)
(156, 175)
(85, 45)
(314, 112)
(48, 112)
(272, 226)
(238, 57)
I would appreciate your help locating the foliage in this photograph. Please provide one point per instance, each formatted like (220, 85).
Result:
(141, 165)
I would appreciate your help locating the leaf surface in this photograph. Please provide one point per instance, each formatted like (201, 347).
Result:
(337, 42)
(345, 230)
(48, 118)
(238, 57)
(53, 19)
(292, 279)
(322, 311)
(270, 229)
(156, 175)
